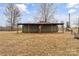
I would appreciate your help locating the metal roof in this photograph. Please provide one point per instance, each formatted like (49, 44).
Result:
(40, 23)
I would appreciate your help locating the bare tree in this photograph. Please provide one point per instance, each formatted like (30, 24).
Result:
(45, 12)
(13, 15)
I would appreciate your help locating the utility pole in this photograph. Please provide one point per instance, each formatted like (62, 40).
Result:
(78, 24)
(69, 21)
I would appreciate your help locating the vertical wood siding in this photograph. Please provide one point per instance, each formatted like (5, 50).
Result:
(35, 28)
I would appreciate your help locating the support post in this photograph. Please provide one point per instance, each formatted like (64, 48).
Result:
(63, 28)
(28, 28)
(39, 28)
(17, 28)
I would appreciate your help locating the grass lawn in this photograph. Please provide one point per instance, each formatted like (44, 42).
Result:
(34, 44)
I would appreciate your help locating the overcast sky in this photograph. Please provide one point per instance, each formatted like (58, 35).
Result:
(29, 10)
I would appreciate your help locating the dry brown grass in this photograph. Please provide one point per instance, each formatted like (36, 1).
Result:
(12, 43)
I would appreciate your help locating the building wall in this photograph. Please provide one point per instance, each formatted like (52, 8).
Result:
(24, 28)
(45, 28)
(33, 28)
(54, 28)
(36, 29)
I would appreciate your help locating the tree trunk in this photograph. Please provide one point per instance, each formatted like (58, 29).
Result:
(11, 21)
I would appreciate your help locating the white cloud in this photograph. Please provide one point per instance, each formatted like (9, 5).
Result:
(70, 5)
(72, 11)
(77, 6)
(23, 8)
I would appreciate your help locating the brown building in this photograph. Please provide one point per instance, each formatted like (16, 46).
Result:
(40, 27)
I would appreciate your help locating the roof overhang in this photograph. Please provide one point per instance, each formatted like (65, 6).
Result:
(40, 24)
